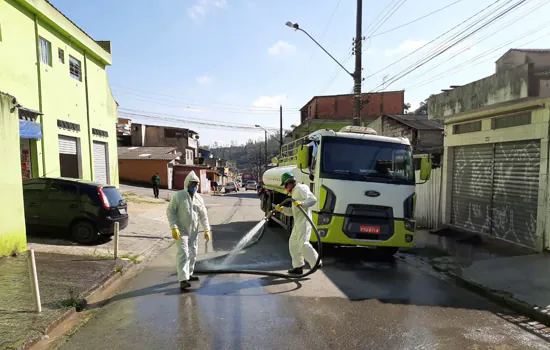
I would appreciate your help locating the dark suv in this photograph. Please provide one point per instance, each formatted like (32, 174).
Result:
(85, 209)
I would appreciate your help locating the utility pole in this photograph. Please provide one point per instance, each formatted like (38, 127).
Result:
(357, 74)
(265, 140)
(280, 130)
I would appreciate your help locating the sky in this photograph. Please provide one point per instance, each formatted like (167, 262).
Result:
(220, 67)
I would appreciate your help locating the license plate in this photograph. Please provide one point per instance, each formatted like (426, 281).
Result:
(369, 229)
(122, 211)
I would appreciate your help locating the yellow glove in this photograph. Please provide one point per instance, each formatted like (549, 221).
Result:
(176, 233)
(207, 235)
(278, 208)
(298, 203)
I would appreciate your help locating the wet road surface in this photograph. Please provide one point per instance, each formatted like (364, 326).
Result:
(355, 302)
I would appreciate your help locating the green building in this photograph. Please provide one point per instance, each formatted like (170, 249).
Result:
(57, 113)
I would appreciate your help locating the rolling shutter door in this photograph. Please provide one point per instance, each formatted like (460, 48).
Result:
(472, 178)
(515, 192)
(67, 145)
(100, 162)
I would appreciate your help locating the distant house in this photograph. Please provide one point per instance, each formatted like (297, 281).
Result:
(138, 164)
(185, 140)
(425, 135)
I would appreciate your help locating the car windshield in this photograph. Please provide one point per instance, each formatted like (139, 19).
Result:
(366, 160)
(113, 195)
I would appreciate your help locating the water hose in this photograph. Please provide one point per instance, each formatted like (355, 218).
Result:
(276, 274)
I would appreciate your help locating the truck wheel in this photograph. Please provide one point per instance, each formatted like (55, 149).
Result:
(84, 232)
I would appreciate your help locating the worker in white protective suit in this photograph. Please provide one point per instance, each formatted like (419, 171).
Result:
(298, 244)
(187, 215)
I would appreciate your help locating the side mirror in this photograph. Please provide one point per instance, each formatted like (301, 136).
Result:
(275, 161)
(425, 168)
(303, 157)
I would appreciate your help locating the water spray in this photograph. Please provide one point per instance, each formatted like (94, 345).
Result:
(276, 274)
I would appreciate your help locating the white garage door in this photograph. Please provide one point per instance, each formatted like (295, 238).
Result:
(67, 145)
(100, 162)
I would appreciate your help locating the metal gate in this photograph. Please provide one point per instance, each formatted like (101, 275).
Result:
(100, 162)
(69, 165)
(471, 199)
(515, 192)
(495, 190)
(67, 145)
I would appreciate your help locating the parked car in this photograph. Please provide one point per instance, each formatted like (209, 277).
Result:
(84, 209)
(251, 185)
(231, 187)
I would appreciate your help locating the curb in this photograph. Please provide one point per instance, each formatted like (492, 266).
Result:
(103, 284)
(534, 312)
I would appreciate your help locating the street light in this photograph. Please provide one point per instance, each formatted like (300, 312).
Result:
(296, 26)
(355, 76)
(265, 143)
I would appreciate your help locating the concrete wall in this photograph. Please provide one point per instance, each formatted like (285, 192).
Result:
(141, 170)
(51, 89)
(537, 130)
(12, 212)
(342, 106)
(501, 87)
(429, 140)
(515, 58)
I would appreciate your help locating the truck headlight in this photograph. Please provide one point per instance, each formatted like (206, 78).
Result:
(323, 232)
(323, 219)
(410, 225)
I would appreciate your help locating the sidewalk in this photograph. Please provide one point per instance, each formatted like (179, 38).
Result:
(512, 275)
(63, 281)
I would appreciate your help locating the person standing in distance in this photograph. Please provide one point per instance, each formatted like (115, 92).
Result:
(298, 243)
(155, 180)
(187, 215)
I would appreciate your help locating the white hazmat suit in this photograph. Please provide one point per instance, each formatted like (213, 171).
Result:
(189, 215)
(298, 243)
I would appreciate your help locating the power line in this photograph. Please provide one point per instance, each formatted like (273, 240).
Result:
(433, 40)
(394, 9)
(198, 108)
(222, 105)
(180, 119)
(427, 59)
(505, 25)
(464, 65)
(414, 20)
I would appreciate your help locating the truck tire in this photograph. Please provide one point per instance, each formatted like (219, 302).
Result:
(268, 208)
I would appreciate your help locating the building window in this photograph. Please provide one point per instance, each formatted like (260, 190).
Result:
(75, 68)
(61, 55)
(467, 128)
(511, 121)
(45, 51)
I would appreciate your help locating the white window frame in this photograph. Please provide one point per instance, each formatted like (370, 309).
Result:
(45, 51)
(75, 61)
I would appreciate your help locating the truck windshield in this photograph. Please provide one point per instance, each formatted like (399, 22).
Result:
(366, 160)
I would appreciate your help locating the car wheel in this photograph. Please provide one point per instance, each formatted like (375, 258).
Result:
(84, 232)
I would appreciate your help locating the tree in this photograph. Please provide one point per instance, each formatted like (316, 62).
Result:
(406, 107)
(423, 108)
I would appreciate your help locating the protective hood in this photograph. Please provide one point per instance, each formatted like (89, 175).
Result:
(191, 177)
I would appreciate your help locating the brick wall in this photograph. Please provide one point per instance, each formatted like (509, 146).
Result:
(342, 106)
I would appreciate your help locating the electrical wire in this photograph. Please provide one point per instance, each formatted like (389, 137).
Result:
(505, 25)
(414, 20)
(385, 19)
(147, 94)
(433, 40)
(425, 60)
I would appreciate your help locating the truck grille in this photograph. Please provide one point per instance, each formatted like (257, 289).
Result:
(358, 215)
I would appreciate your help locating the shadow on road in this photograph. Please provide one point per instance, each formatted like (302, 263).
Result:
(249, 194)
(60, 239)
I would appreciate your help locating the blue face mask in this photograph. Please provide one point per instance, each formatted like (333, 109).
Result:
(192, 189)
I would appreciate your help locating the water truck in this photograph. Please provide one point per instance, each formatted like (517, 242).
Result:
(364, 183)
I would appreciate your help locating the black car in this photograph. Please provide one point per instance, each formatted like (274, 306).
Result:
(85, 209)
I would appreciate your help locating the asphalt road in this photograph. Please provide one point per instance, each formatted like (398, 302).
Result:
(354, 302)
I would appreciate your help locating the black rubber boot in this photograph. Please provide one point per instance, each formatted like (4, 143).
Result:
(296, 271)
(184, 285)
(194, 278)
